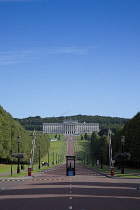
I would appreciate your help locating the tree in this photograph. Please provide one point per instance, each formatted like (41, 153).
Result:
(131, 131)
(82, 137)
(10, 130)
(86, 136)
(96, 145)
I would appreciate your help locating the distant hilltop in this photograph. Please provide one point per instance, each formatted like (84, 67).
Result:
(37, 122)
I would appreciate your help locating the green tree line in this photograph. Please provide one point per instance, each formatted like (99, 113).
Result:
(10, 130)
(131, 147)
(36, 122)
(131, 133)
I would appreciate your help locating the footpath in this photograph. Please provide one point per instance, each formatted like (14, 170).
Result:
(34, 174)
(108, 174)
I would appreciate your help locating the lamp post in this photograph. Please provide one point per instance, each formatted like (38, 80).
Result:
(18, 168)
(122, 141)
(84, 158)
(87, 159)
(101, 159)
(56, 158)
(12, 149)
(53, 158)
(39, 157)
(92, 159)
(48, 159)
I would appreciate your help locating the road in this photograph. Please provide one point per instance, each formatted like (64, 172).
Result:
(53, 190)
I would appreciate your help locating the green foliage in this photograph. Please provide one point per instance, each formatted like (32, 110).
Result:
(96, 145)
(86, 136)
(131, 131)
(36, 122)
(43, 141)
(84, 148)
(99, 143)
(9, 131)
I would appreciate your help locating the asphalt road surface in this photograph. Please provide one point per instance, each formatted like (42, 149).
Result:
(87, 190)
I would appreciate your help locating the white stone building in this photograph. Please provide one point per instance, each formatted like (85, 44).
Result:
(70, 127)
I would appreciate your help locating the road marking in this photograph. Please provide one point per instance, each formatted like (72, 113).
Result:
(46, 179)
(11, 180)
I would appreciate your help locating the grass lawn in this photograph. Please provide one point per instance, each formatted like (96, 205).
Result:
(118, 173)
(57, 153)
(7, 169)
(82, 147)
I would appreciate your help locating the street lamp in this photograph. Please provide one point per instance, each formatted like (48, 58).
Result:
(53, 158)
(56, 158)
(18, 140)
(39, 157)
(122, 141)
(101, 159)
(92, 159)
(84, 158)
(12, 149)
(87, 159)
(48, 159)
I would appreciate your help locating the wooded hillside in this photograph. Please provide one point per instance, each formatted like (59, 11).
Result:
(36, 122)
(10, 130)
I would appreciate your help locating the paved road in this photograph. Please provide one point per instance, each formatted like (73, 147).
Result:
(88, 190)
(70, 146)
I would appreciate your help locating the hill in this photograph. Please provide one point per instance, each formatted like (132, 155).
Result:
(10, 129)
(36, 122)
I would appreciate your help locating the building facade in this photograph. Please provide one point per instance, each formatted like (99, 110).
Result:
(70, 127)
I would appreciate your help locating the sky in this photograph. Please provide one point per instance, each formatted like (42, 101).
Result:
(63, 58)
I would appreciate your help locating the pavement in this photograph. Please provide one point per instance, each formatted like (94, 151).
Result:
(115, 175)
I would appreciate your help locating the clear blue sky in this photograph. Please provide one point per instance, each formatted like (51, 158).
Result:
(60, 57)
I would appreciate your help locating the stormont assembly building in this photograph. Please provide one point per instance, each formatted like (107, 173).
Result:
(70, 127)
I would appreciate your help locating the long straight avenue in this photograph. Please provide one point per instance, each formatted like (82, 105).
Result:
(87, 190)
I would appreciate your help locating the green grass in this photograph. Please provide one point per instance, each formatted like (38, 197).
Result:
(56, 147)
(57, 150)
(132, 170)
(7, 168)
(107, 170)
(83, 147)
(24, 173)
